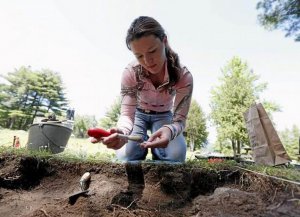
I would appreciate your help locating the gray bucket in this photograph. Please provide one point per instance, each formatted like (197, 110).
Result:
(50, 136)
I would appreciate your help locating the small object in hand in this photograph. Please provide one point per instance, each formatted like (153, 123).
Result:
(135, 138)
(98, 133)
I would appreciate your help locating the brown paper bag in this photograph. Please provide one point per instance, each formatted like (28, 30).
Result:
(266, 145)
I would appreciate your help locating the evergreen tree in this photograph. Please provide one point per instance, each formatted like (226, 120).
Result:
(235, 94)
(290, 140)
(283, 14)
(196, 127)
(112, 115)
(29, 94)
(81, 125)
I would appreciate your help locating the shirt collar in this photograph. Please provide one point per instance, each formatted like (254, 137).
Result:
(144, 75)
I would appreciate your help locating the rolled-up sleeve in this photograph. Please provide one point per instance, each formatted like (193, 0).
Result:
(128, 100)
(184, 90)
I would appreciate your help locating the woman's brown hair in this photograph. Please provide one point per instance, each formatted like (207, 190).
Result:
(145, 26)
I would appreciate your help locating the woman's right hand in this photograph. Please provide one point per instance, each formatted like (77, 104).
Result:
(112, 141)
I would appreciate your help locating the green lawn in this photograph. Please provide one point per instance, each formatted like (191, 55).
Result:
(76, 147)
(7, 137)
(81, 148)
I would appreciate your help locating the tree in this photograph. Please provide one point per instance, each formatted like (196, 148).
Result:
(29, 94)
(290, 140)
(237, 91)
(283, 14)
(14, 94)
(196, 127)
(112, 115)
(82, 124)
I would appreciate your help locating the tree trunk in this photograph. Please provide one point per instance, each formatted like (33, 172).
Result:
(12, 120)
(31, 108)
(239, 147)
(221, 146)
(20, 123)
(25, 100)
(192, 145)
(26, 123)
(233, 148)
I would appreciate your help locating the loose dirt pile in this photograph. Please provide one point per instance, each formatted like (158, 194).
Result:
(40, 187)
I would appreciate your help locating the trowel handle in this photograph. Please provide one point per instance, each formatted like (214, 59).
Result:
(85, 181)
(98, 133)
(85, 177)
(135, 138)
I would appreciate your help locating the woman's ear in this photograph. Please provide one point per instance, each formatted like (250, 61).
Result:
(165, 40)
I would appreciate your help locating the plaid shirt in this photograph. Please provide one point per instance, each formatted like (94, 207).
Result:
(137, 91)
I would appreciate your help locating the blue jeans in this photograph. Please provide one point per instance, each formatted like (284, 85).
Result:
(175, 151)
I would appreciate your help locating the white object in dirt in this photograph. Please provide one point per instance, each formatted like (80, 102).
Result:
(85, 181)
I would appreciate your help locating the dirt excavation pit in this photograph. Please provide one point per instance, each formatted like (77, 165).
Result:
(41, 187)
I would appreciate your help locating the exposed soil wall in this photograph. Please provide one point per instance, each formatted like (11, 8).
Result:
(40, 187)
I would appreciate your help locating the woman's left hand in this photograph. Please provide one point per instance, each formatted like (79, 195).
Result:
(159, 139)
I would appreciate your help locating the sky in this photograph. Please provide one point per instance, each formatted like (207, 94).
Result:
(84, 41)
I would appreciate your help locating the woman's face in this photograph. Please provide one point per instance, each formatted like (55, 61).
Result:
(150, 53)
